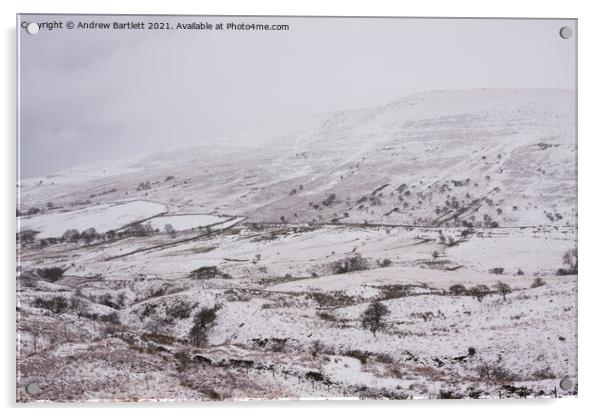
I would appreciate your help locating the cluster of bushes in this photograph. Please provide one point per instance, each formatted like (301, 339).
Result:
(331, 199)
(51, 274)
(116, 303)
(144, 186)
(362, 356)
(480, 291)
(488, 222)
(108, 191)
(326, 316)
(331, 300)
(447, 241)
(78, 203)
(180, 310)
(384, 263)
(494, 373)
(139, 230)
(27, 236)
(32, 211)
(56, 304)
(90, 235)
(110, 318)
(395, 291)
(60, 304)
(208, 272)
(350, 264)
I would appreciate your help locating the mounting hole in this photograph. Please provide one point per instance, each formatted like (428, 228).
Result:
(32, 28)
(566, 32)
(32, 389)
(566, 383)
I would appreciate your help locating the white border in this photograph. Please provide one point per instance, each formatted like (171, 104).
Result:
(590, 139)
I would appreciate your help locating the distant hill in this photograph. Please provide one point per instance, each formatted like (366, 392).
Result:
(482, 158)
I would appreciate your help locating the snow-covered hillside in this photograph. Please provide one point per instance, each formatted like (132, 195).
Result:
(422, 249)
(444, 158)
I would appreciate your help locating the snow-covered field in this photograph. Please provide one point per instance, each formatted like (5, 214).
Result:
(102, 217)
(454, 212)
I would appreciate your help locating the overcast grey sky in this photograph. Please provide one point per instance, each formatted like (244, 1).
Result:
(89, 95)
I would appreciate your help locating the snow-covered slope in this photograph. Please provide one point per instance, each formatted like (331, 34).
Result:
(445, 158)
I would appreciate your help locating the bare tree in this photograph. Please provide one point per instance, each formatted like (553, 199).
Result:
(373, 317)
(89, 235)
(169, 229)
(503, 289)
(202, 321)
(570, 259)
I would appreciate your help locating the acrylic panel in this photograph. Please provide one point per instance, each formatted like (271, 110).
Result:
(234, 208)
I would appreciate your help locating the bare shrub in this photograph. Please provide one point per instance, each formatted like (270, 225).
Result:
(448, 394)
(425, 316)
(331, 300)
(457, 289)
(51, 274)
(479, 292)
(183, 360)
(316, 348)
(78, 306)
(180, 310)
(495, 373)
(330, 200)
(71, 235)
(537, 282)
(111, 318)
(384, 358)
(543, 374)
(27, 236)
(211, 393)
(395, 291)
(326, 316)
(384, 263)
(108, 300)
(497, 270)
(362, 356)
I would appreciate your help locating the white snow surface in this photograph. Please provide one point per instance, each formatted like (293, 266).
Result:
(102, 217)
